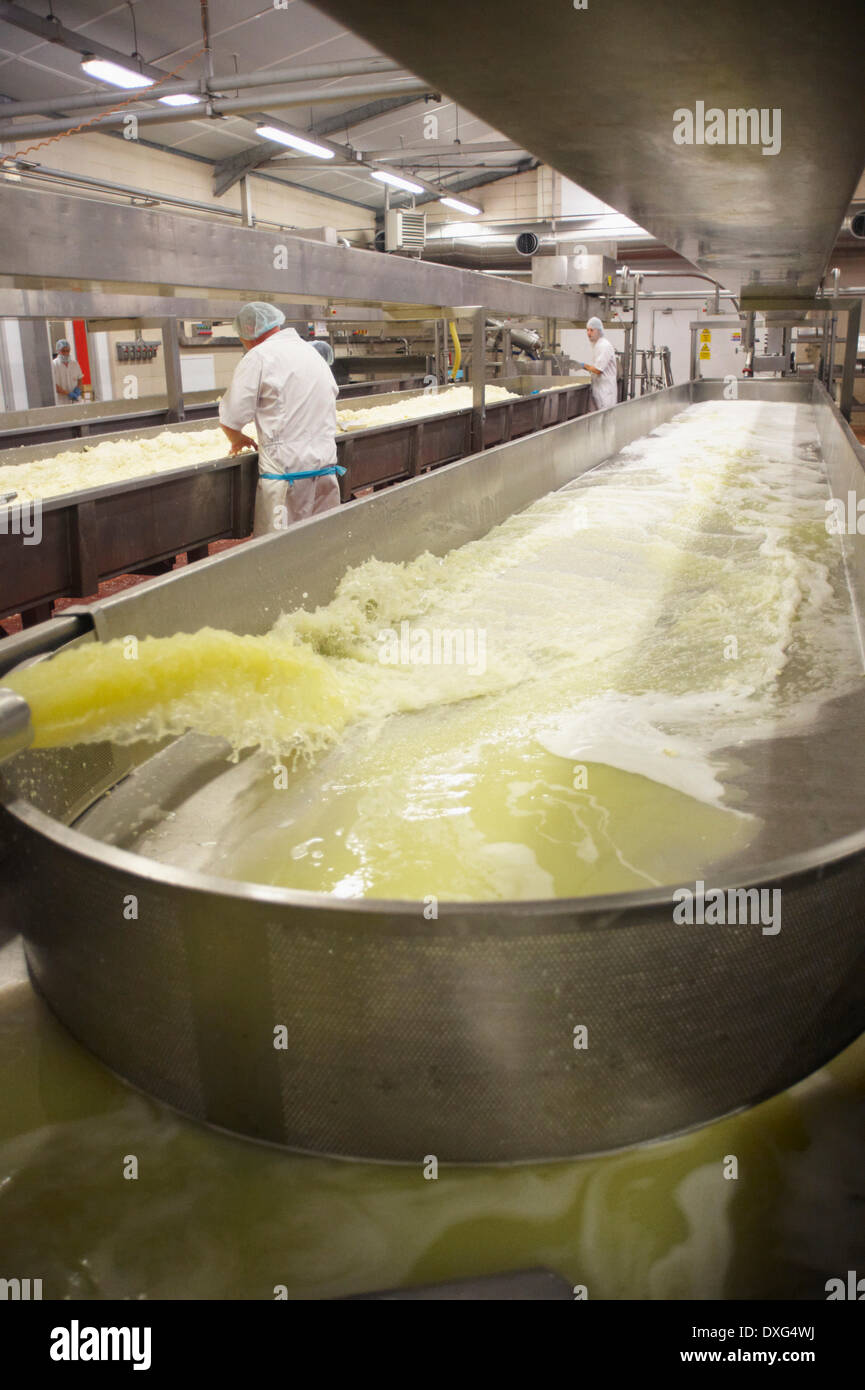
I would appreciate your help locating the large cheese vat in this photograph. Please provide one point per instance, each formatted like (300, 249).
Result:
(408, 1037)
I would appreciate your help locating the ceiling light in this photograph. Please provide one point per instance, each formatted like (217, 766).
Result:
(297, 142)
(182, 99)
(104, 71)
(460, 206)
(461, 229)
(396, 182)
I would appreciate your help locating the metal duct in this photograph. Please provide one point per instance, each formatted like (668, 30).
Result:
(527, 243)
(215, 86)
(29, 130)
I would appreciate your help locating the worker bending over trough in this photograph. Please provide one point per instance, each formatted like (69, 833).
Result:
(287, 389)
(605, 389)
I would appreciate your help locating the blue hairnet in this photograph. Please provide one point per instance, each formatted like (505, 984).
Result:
(257, 318)
(595, 323)
(61, 343)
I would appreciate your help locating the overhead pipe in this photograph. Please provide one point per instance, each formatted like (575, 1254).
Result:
(219, 107)
(143, 198)
(314, 72)
(683, 294)
(209, 86)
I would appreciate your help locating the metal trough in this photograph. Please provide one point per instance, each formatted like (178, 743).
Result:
(409, 1037)
(125, 527)
(56, 422)
(119, 528)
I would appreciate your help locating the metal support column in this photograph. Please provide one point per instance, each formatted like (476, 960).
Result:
(507, 361)
(830, 369)
(479, 371)
(246, 212)
(36, 356)
(632, 392)
(173, 378)
(626, 360)
(7, 387)
(750, 331)
(851, 347)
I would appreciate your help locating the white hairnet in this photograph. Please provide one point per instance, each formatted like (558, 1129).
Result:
(61, 343)
(257, 318)
(595, 323)
(323, 349)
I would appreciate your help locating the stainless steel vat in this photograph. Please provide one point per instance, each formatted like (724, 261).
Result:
(408, 1037)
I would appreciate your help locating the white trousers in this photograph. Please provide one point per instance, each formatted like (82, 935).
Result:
(279, 505)
(603, 396)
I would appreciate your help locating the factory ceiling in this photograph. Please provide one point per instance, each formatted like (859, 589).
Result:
(40, 64)
(647, 109)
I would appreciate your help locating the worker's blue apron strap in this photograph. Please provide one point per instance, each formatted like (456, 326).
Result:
(296, 477)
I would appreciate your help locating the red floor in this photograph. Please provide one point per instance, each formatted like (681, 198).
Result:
(111, 586)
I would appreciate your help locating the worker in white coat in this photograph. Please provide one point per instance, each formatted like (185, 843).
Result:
(67, 373)
(287, 389)
(605, 389)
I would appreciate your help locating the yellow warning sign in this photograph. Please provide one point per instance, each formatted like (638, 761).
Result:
(705, 335)
(705, 351)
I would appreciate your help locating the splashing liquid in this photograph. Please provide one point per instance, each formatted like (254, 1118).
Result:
(542, 712)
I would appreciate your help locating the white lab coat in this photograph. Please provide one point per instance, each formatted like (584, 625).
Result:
(66, 374)
(605, 389)
(288, 390)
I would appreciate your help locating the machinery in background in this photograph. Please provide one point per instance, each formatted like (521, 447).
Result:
(655, 372)
(139, 351)
(717, 347)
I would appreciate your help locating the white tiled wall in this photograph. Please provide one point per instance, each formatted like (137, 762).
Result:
(510, 200)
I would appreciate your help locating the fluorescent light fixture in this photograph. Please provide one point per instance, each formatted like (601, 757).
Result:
(182, 99)
(113, 73)
(297, 142)
(462, 229)
(396, 182)
(460, 206)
